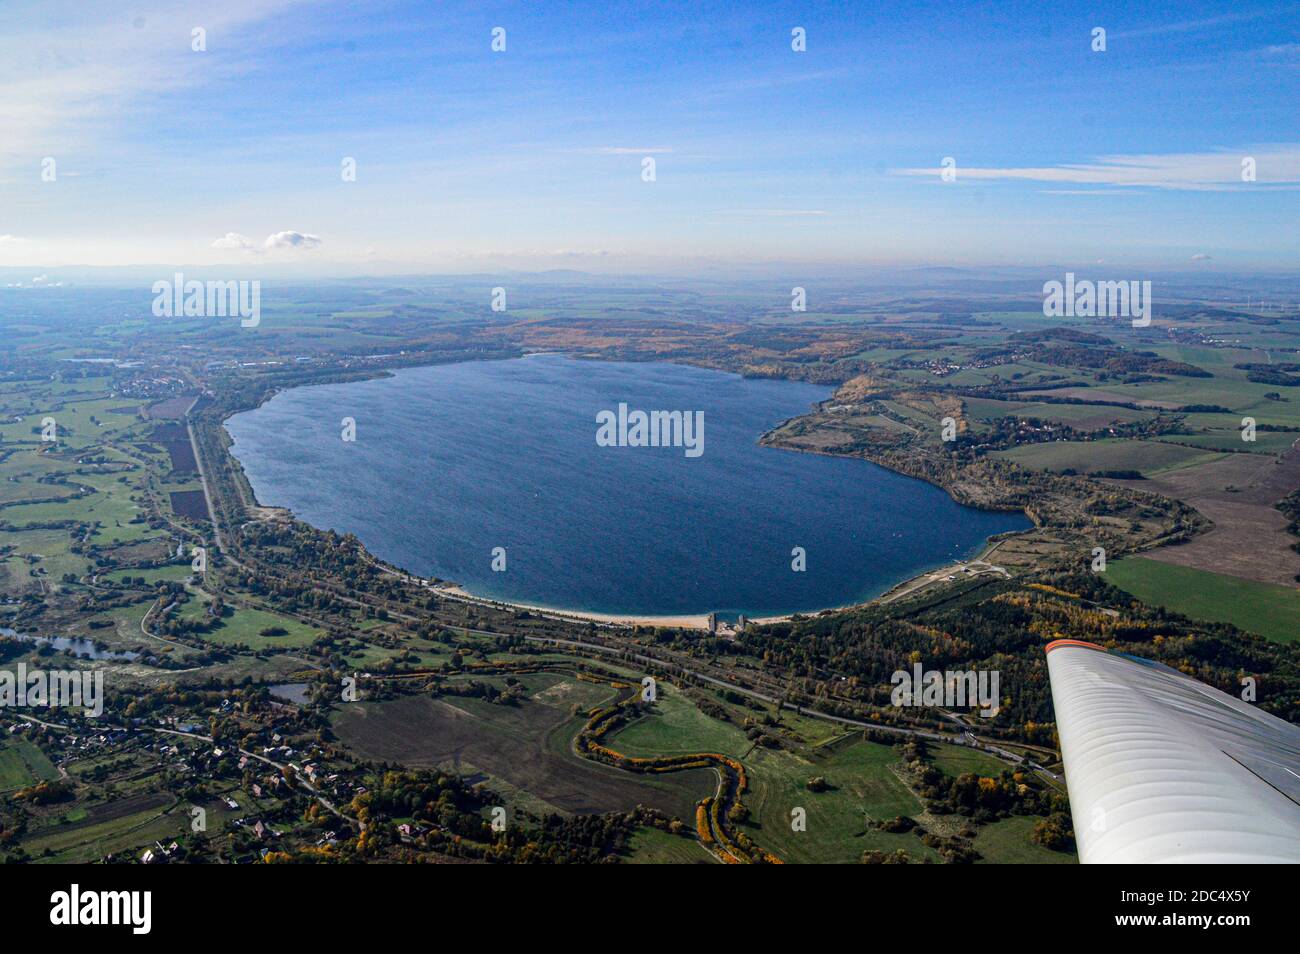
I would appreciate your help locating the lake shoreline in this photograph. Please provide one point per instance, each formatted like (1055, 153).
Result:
(689, 620)
(683, 621)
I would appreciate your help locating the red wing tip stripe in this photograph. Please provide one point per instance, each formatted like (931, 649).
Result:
(1072, 642)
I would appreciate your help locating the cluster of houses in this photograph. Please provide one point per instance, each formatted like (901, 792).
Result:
(152, 387)
(183, 748)
(79, 741)
(942, 367)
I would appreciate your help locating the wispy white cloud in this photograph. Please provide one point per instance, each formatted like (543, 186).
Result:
(759, 82)
(1280, 54)
(233, 240)
(631, 150)
(1274, 165)
(292, 239)
(1208, 23)
(527, 253)
(68, 68)
(776, 213)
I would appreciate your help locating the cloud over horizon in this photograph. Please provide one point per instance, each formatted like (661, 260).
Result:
(1274, 165)
(233, 240)
(292, 239)
(764, 153)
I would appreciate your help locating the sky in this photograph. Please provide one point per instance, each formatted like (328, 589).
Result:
(532, 157)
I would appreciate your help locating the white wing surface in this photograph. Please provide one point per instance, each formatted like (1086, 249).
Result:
(1162, 768)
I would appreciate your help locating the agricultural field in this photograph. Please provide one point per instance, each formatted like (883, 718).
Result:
(81, 489)
(1228, 388)
(85, 829)
(1007, 841)
(957, 760)
(1229, 440)
(528, 746)
(151, 575)
(1238, 493)
(23, 764)
(1086, 417)
(245, 626)
(677, 727)
(1084, 457)
(36, 560)
(1270, 610)
(87, 834)
(189, 504)
(862, 787)
(864, 781)
(650, 846)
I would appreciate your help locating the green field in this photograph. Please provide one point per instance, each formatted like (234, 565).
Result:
(1267, 609)
(677, 727)
(43, 552)
(85, 835)
(526, 749)
(1229, 439)
(110, 509)
(862, 786)
(243, 625)
(78, 479)
(23, 764)
(1084, 457)
(173, 573)
(957, 760)
(1227, 388)
(862, 789)
(1007, 842)
(1081, 416)
(650, 846)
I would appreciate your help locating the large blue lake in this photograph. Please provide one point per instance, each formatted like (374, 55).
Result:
(452, 461)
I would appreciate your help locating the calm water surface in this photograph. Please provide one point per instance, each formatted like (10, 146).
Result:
(72, 645)
(455, 460)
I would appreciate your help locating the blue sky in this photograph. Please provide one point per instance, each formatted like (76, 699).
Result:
(469, 159)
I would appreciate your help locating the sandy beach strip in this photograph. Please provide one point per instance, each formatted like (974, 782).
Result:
(700, 621)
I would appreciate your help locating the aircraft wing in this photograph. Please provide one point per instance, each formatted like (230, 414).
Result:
(1162, 768)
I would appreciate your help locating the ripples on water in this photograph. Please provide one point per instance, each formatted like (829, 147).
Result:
(453, 460)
